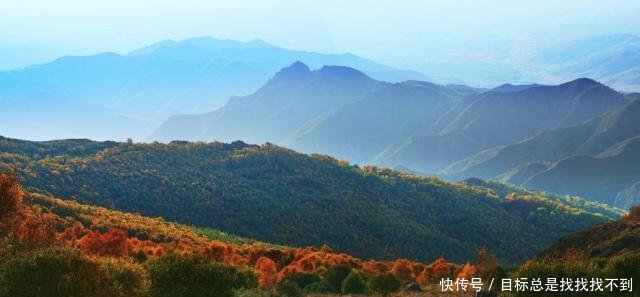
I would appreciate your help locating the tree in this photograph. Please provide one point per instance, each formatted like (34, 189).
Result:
(124, 278)
(246, 278)
(113, 243)
(303, 279)
(354, 284)
(468, 271)
(634, 214)
(289, 289)
(267, 272)
(487, 265)
(384, 284)
(189, 276)
(335, 275)
(10, 193)
(53, 273)
(402, 269)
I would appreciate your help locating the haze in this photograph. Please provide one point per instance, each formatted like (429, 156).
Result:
(434, 37)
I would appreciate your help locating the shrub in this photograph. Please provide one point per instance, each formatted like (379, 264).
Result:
(192, 276)
(125, 279)
(289, 289)
(303, 279)
(318, 288)
(354, 284)
(335, 275)
(254, 293)
(384, 284)
(245, 278)
(53, 273)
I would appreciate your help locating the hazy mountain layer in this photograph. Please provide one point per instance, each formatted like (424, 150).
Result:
(596, 159)
(128, 95)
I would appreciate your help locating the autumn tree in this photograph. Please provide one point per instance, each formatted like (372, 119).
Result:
(373, 267)
(402, 269)
(468, 271)
(113, 243)
(267, 272)
(487, 265)
(435, 271)
(10, 193)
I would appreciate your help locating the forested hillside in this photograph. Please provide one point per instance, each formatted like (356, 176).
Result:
(53, 247)
(606, 251)
(277, 195)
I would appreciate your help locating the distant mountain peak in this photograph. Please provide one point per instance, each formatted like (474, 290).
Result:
(296, 70)
(340, 71)
(202, 42)
(507, 87)
(582, 82)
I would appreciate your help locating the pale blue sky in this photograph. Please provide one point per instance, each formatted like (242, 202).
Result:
(400, 33)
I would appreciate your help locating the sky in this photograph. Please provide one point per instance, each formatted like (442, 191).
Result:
(409, 34)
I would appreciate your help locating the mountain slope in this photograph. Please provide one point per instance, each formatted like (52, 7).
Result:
(601, 177)
(610, 239)
(294, 96)
(498, 118)
(517, 163)
(608, 251)
(359, 131)
(276, 195)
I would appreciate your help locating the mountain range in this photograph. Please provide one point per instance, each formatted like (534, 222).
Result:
(596, 159)
(116, 96)
(446, 130)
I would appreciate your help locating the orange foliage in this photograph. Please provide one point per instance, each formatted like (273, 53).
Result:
(372, 267)
(468, 271)
(435, 271)
(38, 230)
(10, 193)
(402, 269)
(267, 272)
(222, 252)
(113, 243)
